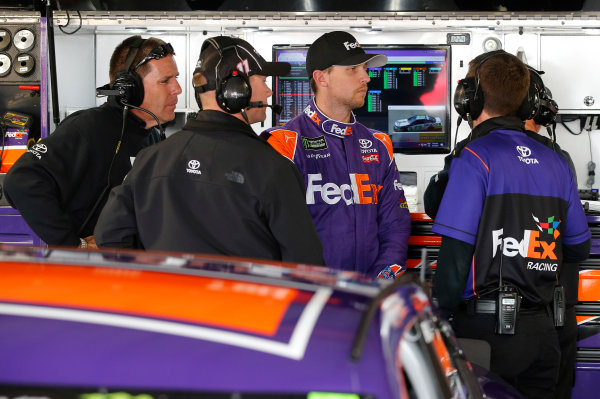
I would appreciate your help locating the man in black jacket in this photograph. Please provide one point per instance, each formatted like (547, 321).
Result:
(61, 183)
(215, 186)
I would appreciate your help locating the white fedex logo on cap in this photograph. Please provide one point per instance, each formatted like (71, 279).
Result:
(350, 46)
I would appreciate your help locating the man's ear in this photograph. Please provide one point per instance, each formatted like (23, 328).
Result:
(320, 78)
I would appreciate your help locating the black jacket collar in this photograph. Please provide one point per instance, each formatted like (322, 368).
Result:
(485, 127)
(497, 123)
(209, 120)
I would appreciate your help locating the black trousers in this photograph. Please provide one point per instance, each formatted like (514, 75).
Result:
(567, 337)
(528, 360)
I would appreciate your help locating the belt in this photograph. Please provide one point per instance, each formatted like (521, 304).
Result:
(488, 306)
(485, 306)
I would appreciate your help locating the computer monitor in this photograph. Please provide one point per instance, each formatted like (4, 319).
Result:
(408, 98)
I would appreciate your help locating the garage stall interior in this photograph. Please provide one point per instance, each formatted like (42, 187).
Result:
(411, 98)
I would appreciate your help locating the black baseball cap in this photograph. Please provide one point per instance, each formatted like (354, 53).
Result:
(339, 48)
(220, 55)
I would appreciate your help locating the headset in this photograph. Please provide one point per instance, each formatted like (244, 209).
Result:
(128, 82)
(548, 108)
(469, 101)
(233, 91)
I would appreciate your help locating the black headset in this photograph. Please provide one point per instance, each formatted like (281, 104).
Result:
(469, 101)
(233, 90)
(548, 108)
(128, 81)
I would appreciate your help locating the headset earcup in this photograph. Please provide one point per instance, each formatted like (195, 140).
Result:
(130, 83)
(478, 100)
(547, 112)
(468, 98)
(531, 103)
(234, 93)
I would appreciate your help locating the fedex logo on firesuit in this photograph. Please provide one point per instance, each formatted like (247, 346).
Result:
(359, 191)
(312, 115)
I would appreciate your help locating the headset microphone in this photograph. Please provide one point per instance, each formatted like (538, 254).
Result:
(107, 91)
(259, 104)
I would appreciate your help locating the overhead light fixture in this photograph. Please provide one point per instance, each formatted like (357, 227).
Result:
(264, 31)
(136, 29)
(245, 29)
(363, 29)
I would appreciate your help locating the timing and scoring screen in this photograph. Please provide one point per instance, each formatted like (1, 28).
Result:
(408, 98)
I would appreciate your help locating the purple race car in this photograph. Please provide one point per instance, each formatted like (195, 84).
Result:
(150, 325)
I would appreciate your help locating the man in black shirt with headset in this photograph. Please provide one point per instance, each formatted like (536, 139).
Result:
(545, 114)
(215, 186)
(61, 183)
(510, 218)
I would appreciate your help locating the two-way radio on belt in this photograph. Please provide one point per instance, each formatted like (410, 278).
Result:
(508, 303)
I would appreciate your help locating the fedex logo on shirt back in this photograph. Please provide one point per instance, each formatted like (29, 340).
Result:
(541, 253)
(359, 191)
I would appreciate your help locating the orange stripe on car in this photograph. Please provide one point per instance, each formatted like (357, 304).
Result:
(284, 141)
(238, 305)
(585, 319)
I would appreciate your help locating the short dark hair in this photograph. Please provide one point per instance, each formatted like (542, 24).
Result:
(119, 56)
(504, 80)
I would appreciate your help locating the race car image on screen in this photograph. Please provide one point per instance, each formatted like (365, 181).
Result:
(418, 123)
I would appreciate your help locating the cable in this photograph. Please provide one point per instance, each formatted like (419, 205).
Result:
(52, 63)
(245, 116)
(69, 21)
(569, 130)
(163, 136)
(3, 132)
(590, 141)
(107, 187)
(591, 166)
(551, 129)
(458, 122)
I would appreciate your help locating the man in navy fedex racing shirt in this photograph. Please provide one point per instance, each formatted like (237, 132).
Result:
(353, 188)
(511, 203)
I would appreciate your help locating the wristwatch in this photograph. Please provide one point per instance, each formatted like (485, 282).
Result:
(83, 243)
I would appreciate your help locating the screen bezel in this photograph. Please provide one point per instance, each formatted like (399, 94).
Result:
(446, 145)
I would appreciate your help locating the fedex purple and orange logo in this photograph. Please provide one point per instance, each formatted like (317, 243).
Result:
(531, 246)
(359, 191)
(312, 114)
